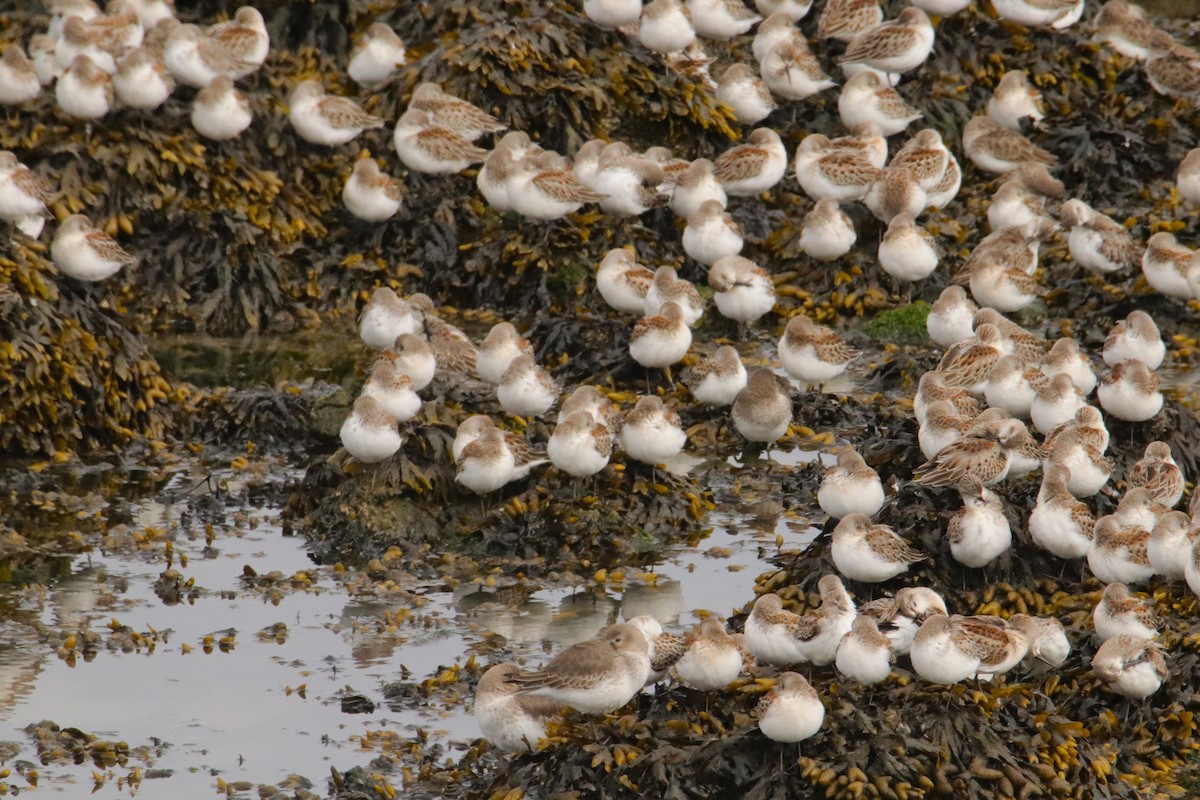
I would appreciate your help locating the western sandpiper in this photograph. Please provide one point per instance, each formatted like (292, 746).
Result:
(525, 389)
(932, 387)
(661, 339)
(968, 364)
(665, 27)
(791, 711)
(840, 175)
(1135, 337)
(898, 45)
(41, 53)
(1138, 507)
(827, 232)
(907, 252)
(949, 320)
(1170, 546)
(376, 56)
(721, 20)
(1165, 263)
(194, 59)
(995, 148)
(1059, 523)
(711, 234)
(595, 676)
(794, 10)
(23, 195)
(327, 119)
(744, 291)
(652, 432)
(142, 81)
(899, 617)
(468, 431)
(781, 638)
(866, 551)
(712, 660)
(151, 12)
(1055, 403)
(791, 71)
(814, 354)
(502, 345)
(393, 390)
(453, 113)
(497, 170)
(865, 655)
(1098, 243)
(846, 19)
(697, 185)
(1087, 468)
(925, 156)
(412, 356)
(631, 182)
(369, 433)
(941, 425)
(850, 487)
(511, 721)
(386, 317)
(623, 283)
(1124, 28)
(592, 400)
(1014, 99)
(1119, 553)
(1158, 472)
(538, 187)
(1191, 570)
(665, 648)
(219, 111)
(865, 98)
(1187, 177)
(1057, 14)
(1048, 642)
(613, 13)
(580, 445)
(1131, 666)
(1014, 204)
(950, 649)
(1088, 426)
(716, 380)
(895, 192)
(453, 350)
(245, 35)
(370, 194)
(1065, 356)
(986, 457)
(80, 38)
(776, 29)
(762, 411)
(668, 287)
(1130, 392)
(487, 463)
(754, 167)
(85, 253)
(1122, 613)
(85, 90)
(740, 88)
(424, 146)
(18, 79)
(1172, 70)
(1013, 386)
(978, 532)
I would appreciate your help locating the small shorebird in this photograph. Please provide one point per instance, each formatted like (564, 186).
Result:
(791, 711)
(1130, 392)
(1158, 472)
(850, 487)
(525, 389)
(581, 445)
(327, 119)
(371, 195)
(754, 167)
(369, 433)
(1131, 666)
(716, 381)
(501, 347)
(1060, 524)
(762, 411)
(595, 676)
(712, 660)
(1119, 553)
(781, 638)
(220, 112)
(870, 552)
(1135, 337)
(1014, 99)
(744, 290)
(898, 45)
(652, 432)
(979, 532)
(622, 282)
(386, 317)
(950, 318)
(376, 56)
(814, 354)
(393, 390)
(899, 617)
(827, 232)
(85, 253)
(865, 655)
(511, 721)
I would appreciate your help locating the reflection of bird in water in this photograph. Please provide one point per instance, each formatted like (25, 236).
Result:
(580, 616)
(662, 600)
(503, 613)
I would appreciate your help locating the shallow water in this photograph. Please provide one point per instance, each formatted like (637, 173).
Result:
(238, 714)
